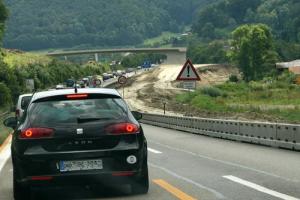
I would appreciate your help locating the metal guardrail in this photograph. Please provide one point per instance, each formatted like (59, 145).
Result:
(110, 82)
(268, 134)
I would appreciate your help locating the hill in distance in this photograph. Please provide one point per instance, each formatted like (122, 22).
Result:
(44, 24)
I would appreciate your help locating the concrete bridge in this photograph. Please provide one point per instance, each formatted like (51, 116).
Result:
(174, 55)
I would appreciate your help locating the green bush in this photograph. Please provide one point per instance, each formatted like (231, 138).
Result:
(211, 91)
(186, 97)
(5, 96)
(256, 86)
(225, 95)
(292, 87)
(287, 77)
(233, 78)
(281, 84)
(44, 75)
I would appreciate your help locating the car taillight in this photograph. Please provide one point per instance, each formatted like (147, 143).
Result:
(36, 133)
(77, 96)
(17, 113)
(41, 178)
(125, 173)
(122, 128)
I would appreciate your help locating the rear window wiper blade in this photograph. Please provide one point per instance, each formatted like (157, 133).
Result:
(85, 120)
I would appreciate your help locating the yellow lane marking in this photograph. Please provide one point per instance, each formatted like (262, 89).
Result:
(6, 142)
(173, 190)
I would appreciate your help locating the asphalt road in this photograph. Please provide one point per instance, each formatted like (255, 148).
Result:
(187, 166)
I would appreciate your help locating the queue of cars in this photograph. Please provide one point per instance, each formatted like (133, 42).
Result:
(85, 136)
(113, 74)
(22, 104)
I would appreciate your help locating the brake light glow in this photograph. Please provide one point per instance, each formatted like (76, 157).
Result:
(41, 178)
(28, 133)
(130, 128)
(36, 133)
(122, 128)
(125, 173)
(77, 96)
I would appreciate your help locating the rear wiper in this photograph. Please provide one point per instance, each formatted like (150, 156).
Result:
(85, 120)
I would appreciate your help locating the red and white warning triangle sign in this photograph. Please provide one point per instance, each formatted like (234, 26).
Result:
(188, 73)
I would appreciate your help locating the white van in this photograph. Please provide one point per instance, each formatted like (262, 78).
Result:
(22, 104)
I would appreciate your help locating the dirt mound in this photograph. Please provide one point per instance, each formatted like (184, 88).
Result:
(216, 74)
(147, 92)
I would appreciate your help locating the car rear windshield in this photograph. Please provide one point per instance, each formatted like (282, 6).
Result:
(25, 101)
(61, 112)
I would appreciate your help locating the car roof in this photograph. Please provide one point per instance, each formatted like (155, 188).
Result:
(24, 95)
(44, 94)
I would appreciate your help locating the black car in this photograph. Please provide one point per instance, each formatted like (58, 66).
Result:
(84, 138)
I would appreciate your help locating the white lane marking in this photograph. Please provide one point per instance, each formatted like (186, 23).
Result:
(260, 188)
(4, 156)
(225, 162)
(217, 194)
(154, 151)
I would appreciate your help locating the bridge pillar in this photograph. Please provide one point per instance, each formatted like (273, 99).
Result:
(175, 58)
(96, 57)
(66, 58)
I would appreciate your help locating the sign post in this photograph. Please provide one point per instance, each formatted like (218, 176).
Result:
(165, 108)
(97, 83)
(122, 81)
(188, 75)
(190, 85)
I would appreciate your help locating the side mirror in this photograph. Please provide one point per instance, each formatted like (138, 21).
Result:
(11, 122)
(137, 115)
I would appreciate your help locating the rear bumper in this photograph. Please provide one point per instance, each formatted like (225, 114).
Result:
(29, 169)
(85, 179)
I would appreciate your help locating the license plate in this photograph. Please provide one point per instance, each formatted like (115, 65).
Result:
(80, 165)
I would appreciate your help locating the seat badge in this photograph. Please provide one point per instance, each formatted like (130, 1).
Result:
(79, 131)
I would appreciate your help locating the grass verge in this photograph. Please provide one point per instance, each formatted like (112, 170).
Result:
(274, 101)
(4, 131)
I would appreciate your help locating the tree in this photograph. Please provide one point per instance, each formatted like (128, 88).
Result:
(226, 15)
(3, 16)
(208, 31)
(253, 51)
(42, 24)
(214, 52)
(5, 92)
(5, 97)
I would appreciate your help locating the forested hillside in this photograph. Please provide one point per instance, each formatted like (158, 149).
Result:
(281, 15)
(41, 24)
(17, 66)
(218, 20)
(3, 16)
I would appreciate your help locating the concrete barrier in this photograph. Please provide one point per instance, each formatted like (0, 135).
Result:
(297, 138)
(269, 134)
(286, 135)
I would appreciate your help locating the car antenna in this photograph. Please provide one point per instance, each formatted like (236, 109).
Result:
(76, 90)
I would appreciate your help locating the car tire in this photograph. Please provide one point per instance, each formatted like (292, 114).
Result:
(141, 186)
(21, 192)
